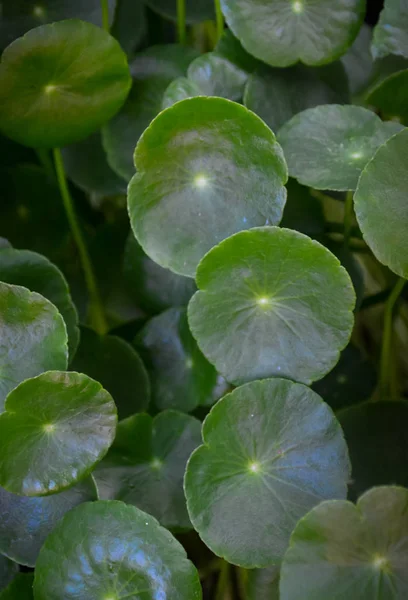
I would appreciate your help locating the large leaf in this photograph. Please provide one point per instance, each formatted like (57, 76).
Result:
(207, 168)
(60, 82)
(196, 10)
(272, 450)
(145, 466)
(343, 551)
(276, 95)
(33, 337)
(377, 439)
(21, 588)
(109, 550)
(327, 147)
(181, 377)
(8, 570)
(26, 522)
(391, 32)
(381, 206)
(282, 33)
(271, 302)
(117, 366)
(56, 427)
(152, 70)
(38, 274)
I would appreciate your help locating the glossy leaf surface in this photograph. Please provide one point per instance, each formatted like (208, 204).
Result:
(391, 32)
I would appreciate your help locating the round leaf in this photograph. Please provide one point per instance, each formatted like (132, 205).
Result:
(38, 274)
(272, 450)
(4, 243)
(181, 377)
(21, 588)
(282, 33)
(391, 32)
(343, 551)
(271, 302)
(276, 95)
(377, 439)
(33, 337)
(381, 206)
(152, 71)
(196, 10)
(117, 366)
(207, 168)
(56, 427)
(153, 287)
(390, 96)
(60, 82)
(145, 466)
(8, 570)
(327, 147)
(180, 89)
(126, 552)
(26, 522)
(215, 75)
(229, 47)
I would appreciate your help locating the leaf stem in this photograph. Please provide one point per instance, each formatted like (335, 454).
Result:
(223, 581)
(219, 18)
(97, 316)
(181, 22)
(348, 218)
(386, 356)
(105, 15)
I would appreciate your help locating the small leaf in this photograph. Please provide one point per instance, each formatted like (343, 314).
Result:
(180, 89)
(21, 588)
(181, 377)
(283, 33)
(272, 450)
(271, 302)
(276, 95)
(391, 32)
(381, 206)
(61, 82)
(327, 147)
(215, 75)
(117, 366)
(56, 427)
(38, 274)
(145, 466)
(8, 570)
(26, 522)
(207, 168)
(33, 337)
(126, 552)
(196, 10)
(339, 550)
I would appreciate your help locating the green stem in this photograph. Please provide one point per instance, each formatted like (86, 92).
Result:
(97, 316)
(219, 19)
(181, 22)
(105, 15)
(348, 218)
(386, 356)
(223, 581)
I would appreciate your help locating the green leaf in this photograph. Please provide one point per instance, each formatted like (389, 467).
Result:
(390, 96)
(303, 211)
(262, 584)
(21, 588)
(342, 551)
(271, 302)
(391, 32)
(153, 287)
(109, 550)
(358, 61)
(181, 377)
(8, 570)
(276, 95)
(33, 337)
(282, 33)
(351, 381)
(145, 466)
(86, 165)
(272, 450)
(229, 47)
(26, 522)
(327, 147)
(352, 266)
(152, 71)
(207, 168)
(38, 274)
(378, 443)
(56, 427)
(117, 366)
(196, 10)
(130, 26)
(215, 75)
(61, 82)
(381, 206)
(4, 243)
(180, 89)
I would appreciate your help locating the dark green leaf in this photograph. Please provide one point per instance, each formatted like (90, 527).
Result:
(391, 32)
(390, 96)
(109, 550)
(60, 82)
(8, 570)
(56, 427)
(272, 450)
(145, 466)
(271, 302)
(303, 211)
(229, 47)
(263, 584)
(21, 588)
(358, 61)
(130, 24)
(207, 168)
